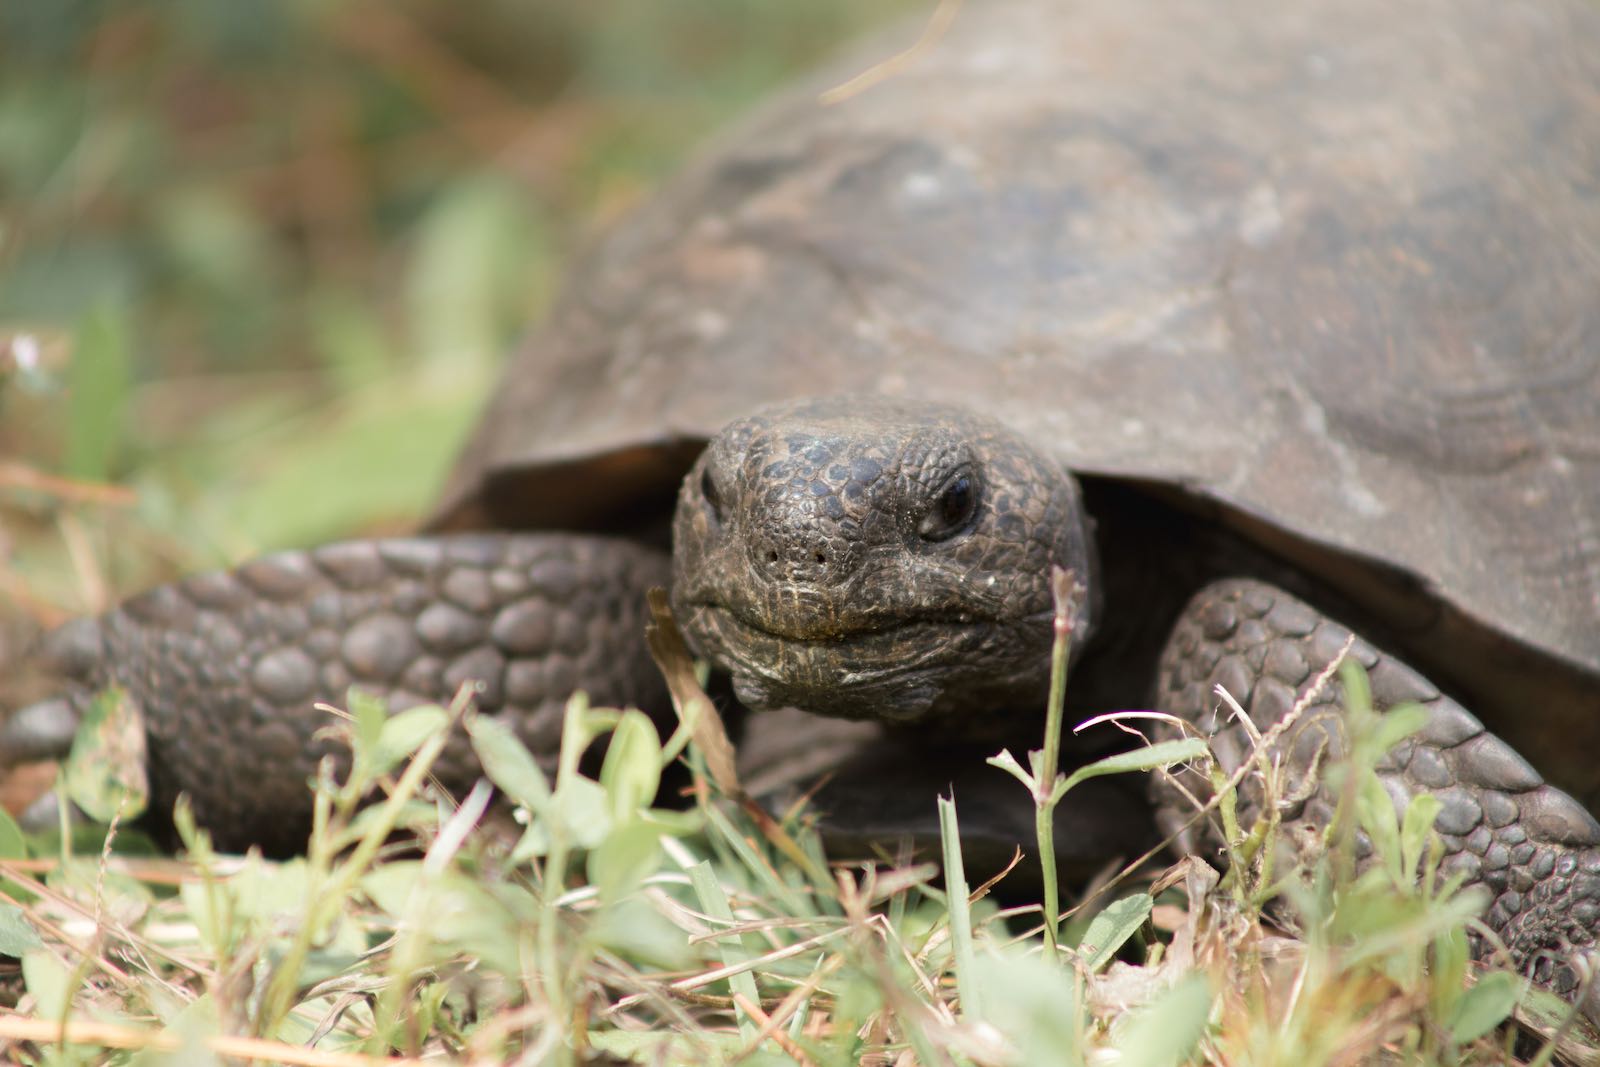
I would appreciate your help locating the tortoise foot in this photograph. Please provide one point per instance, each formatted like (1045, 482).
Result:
(227, 667)
(1534, 848)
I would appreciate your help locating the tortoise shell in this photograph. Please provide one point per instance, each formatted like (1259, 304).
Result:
(1329, 271)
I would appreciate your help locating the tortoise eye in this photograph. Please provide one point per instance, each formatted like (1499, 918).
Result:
(953, 510)
(708, 489)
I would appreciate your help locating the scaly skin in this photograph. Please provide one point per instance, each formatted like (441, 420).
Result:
(824, 554)
(226, 667)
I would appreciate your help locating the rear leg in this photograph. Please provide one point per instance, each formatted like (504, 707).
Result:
(227, 667)
(1532, 846)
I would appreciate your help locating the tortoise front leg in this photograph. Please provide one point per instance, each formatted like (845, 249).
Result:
(1530, 844)
(227, 666)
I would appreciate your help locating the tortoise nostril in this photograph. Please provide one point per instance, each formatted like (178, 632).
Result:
(798, 561)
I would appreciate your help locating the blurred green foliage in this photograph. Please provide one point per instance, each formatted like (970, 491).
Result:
(277, 250)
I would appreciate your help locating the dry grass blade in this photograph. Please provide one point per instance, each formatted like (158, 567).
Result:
(685, 985)
(21, 476)
(937, 26)
(672, 656)
(256, 1049)
(770, 1028)
(677, 665)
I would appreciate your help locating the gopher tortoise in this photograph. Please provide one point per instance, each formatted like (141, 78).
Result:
(1307, 295)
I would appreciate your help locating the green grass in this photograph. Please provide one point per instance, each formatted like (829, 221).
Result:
(586, 921)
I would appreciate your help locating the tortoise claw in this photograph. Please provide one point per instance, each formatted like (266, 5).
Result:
(75, 650)
(73, 656)
(39, 732)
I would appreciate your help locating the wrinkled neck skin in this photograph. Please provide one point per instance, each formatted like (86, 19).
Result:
(865, 558)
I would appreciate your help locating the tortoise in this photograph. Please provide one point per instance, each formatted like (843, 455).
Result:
(1304, 295)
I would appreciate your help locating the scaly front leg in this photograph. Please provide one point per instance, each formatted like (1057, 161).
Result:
(227, 667)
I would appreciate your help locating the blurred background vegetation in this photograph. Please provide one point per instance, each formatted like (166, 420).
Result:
(260, 261)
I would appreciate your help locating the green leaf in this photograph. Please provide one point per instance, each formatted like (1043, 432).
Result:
(478, 235)
(1375, 810)
(1548, 1011)
(633, 927)
(582, 811)
(1357, 691)
(380, 454)
(404, 733)
(191, 1021)
(508, 764)
(270, 891)
(49, 982)
(105, 771)
(389, 886)
(1415, 831)
(98, 382)
(368, 713)
(1110, 929)
(1146, 758)
(1485, 1006)
(1166, 1032)
(738, 843)
(535, 841)
(661, 1046)
(629, 854)
(1397, 724)
(415, 814)
(1005, 761)
(17, 935)
(461, 916)
(13, 844)
(1035, 1005)
(1448, 970)
(631, 773)
(209, 905)
(955, 883)
(1385, 923)
(675, 823)
(735, 950)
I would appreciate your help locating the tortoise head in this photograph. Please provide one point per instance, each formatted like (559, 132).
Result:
(876, 559)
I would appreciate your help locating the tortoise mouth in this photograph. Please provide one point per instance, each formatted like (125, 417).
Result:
(893, 669)
(891, 638)
(823, 628)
